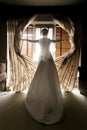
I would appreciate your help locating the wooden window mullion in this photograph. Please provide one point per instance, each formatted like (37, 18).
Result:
(60, 42)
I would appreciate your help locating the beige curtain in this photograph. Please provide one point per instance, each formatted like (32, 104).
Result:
(67, 65)
(21, 68)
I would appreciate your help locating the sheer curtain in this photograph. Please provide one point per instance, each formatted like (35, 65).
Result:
(22, 69)
(67, 65)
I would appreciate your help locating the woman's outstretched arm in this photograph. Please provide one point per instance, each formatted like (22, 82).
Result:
(33, 41)
(62, 40)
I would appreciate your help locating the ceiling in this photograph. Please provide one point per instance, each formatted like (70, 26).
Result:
(41, 2)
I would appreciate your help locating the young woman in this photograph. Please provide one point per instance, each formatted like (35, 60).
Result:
(44, 99)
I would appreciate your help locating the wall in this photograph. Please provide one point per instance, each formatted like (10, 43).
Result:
(3, 40)
(83, 68)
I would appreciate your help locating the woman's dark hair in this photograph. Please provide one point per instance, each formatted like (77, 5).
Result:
(44, 31)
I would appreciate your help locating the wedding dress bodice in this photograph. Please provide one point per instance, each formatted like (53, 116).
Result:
(45, 48)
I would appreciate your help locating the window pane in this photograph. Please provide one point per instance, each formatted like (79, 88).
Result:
(27, 46)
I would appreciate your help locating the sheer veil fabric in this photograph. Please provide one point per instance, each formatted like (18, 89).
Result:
(44, 99)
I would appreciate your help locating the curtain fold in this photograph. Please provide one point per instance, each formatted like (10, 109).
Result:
(21, 68)
(67, 65)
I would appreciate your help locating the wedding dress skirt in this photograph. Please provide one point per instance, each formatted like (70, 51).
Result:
(44, 99)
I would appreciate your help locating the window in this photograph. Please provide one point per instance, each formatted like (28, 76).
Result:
(55, 32)
(26, 46)
(62, 47)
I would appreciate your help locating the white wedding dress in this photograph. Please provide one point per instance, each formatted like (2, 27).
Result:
(44, 99)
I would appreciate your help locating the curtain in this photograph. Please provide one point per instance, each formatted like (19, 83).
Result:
(22, 68)
(67, 65)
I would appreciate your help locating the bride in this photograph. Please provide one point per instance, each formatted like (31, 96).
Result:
(44, 100)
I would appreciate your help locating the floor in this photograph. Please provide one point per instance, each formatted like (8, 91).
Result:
(13, 114)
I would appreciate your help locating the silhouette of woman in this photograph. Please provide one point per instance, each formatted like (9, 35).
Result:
(44, 99)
